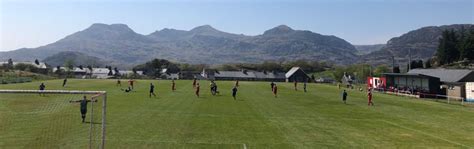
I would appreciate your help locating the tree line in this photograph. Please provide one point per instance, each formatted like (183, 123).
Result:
(455, 46)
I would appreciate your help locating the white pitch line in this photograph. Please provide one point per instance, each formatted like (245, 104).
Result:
(424, 133)
(245, 146)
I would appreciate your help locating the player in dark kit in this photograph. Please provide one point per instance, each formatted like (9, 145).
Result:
(275, 90)
(304, 87)
(271, 85)
(64, 82)
(296, 85)
(152, 90)
(234, 92)
(83, 107)
(127, 89)
(344, 96)
(119, 83)
(173, 85)
(213, 86)
(41, 88)
(197, 90)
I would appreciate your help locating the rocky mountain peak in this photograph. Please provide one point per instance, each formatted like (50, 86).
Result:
(281, 29)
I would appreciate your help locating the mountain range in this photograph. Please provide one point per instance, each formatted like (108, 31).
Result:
(122, 46)
(118, 45)
(420, 44)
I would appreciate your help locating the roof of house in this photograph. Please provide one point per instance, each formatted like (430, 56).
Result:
(235, 74)
(409, 74)
(122, 72)
(75, 69)
(249, 74)
(100, 70)
(292, 71)
(270, 75)
(445, 75)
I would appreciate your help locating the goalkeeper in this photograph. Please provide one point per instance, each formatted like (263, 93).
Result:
(83, 107)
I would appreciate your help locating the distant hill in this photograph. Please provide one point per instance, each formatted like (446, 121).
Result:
(120, 45)
(76, 57)
(366, 49)
(421, 43)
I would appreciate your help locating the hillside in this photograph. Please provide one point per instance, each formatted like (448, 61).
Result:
(421, 43)
(76, 57)
(366, 49)
(119, 44)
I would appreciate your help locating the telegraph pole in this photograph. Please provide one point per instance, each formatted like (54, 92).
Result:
(409, 59)
(393, 63)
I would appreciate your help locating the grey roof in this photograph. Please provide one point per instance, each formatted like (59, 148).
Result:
(270, 75)
(234, 74)
(445, 75)
(408, 74)
(249, 74)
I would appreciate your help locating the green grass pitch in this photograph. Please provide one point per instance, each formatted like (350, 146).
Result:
(179, 119)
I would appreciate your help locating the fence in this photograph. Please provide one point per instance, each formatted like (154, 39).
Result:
(432, 97)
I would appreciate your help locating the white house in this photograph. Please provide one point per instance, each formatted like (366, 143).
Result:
(101, 73)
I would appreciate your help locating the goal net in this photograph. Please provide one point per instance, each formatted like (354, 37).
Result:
(52, 119)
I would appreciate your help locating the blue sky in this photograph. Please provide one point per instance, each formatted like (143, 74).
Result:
(35, 23)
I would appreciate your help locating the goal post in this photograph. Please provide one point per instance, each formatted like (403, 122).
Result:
(51, 118)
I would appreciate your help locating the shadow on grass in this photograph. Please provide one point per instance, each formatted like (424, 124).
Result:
(95, 123)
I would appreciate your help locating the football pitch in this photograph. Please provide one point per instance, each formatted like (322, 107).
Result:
(179, 119)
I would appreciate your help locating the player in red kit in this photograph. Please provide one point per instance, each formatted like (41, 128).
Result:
(194, 83)
(173, 85)
(369, 96)
(197, 90)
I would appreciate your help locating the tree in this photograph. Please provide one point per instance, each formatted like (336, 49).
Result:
(10, 62)
(58, 70)
(37, 62)
(153, 68)
(381, 69)
(466, 46)
(110, 71)
(338, 73)
(134, 71)
(69, 64)
(416, 64)
(396, 69)
(26, 67)
(427, 64)
(117, 72)
(90, 70)
(9, 65)
(448, 51)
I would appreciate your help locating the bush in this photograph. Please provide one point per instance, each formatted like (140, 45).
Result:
(12, 80)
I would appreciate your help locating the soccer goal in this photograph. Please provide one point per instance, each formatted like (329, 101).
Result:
(52, 119)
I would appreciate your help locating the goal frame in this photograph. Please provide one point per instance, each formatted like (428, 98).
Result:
(95, 94)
